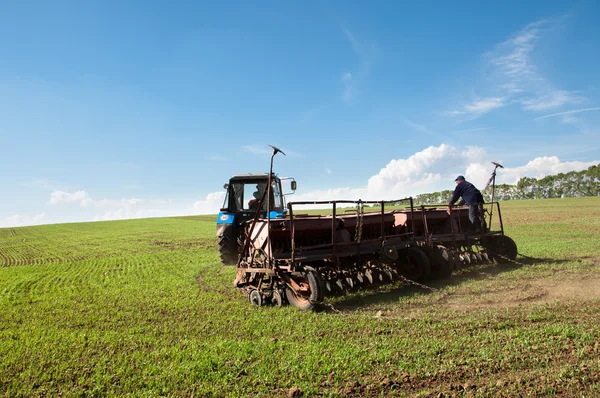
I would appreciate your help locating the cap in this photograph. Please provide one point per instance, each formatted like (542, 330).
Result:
(459, 178)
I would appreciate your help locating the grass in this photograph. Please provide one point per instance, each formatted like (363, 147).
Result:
(143, 308)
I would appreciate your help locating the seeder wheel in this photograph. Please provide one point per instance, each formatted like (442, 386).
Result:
(440, 261)
(277, 299)
(310, 293)
(502, 247)
(413, 264)
(255, 298)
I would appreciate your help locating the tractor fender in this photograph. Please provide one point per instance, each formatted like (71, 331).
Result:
(225, 229)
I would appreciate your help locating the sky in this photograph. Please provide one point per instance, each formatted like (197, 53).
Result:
(129, 109)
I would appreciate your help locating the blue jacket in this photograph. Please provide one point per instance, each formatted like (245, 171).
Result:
(468, 192)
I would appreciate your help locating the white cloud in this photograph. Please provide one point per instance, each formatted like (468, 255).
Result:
(434, 169)
(58, 197)
(553, 100)
(424, 171)
(328, 171)
(211, 204)
(478, 107)
(516, 71)
(512, 57)
(429, 170)
(567, 113)
(84, 200)
(18, 220)
(512, 75)
(484, 105)
(541, 167)
(127, 213)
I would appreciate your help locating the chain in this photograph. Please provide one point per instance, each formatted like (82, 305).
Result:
(411, 282)
(506, 258)
(331, 307)
(359, 224)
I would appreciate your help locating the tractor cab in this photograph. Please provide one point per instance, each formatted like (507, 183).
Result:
(244, 194)
(244, 198)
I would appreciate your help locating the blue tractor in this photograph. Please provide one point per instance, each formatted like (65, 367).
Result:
(248, 197)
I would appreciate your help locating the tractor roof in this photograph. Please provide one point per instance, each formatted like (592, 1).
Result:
(251, 176)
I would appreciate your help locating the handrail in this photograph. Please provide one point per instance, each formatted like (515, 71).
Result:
(334, 218)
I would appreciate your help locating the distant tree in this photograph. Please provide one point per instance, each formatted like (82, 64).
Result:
(561, 185)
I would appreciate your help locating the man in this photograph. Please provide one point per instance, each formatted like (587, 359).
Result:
(253, 203)
(472, 197)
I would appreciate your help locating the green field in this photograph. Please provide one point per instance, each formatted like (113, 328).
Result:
(143, 308)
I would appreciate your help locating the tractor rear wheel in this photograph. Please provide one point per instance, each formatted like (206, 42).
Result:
(311, 292)
(228, 250)
(502, 247)
(413, 264)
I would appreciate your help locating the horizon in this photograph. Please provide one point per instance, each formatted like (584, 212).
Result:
(118, 111)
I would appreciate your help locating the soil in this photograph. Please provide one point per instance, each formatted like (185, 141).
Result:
(537, 291)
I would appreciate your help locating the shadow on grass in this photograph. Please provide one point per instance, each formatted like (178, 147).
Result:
(371, 297)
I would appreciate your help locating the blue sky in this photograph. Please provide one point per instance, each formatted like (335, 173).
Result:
(132, 109)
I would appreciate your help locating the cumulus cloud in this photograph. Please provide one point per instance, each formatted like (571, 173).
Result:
(541, 167)
(126, 213)
(58, 197)
(434, 169)
(429, 170)
(84, 200)
(424, 171)
(211, 204)
(18, 220)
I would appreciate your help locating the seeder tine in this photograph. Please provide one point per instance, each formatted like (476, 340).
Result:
(360, 277)
(369, 276)
(328, 286)
(388, 273)
(350, 282)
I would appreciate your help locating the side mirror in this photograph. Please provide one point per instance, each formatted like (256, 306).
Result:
(226, 186)
(294, 185)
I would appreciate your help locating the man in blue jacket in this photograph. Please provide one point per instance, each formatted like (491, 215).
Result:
(472, 197)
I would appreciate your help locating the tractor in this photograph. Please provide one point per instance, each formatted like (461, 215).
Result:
(285, 255)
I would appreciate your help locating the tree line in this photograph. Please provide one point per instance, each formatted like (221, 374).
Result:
(561, 185)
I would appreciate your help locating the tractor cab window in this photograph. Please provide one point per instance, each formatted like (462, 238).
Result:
(253, 193)
(277, 197)
(246, 196)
